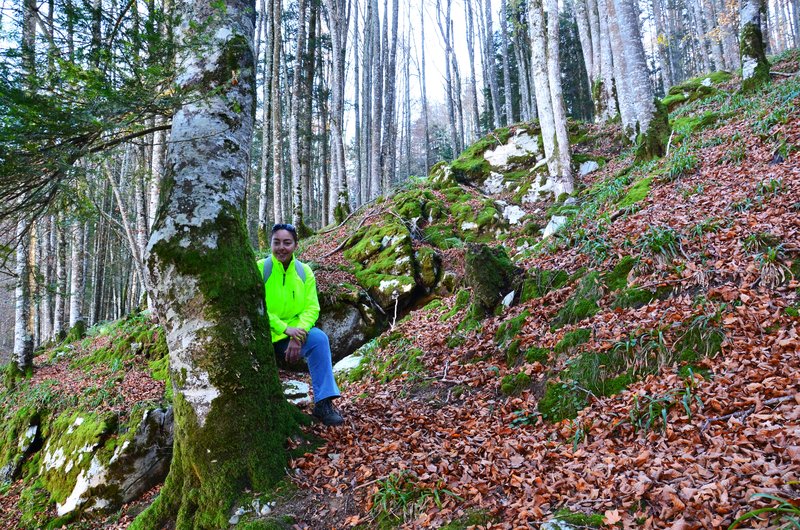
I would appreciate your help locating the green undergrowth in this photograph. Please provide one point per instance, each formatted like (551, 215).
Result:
(387, 358)
(401, 497)
(595, 374)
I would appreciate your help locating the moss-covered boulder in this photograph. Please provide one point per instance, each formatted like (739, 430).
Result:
(491, 276)
(349, 318)
(91, 462)
(383, 258)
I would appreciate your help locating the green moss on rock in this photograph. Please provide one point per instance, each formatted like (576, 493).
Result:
(583, 302)
(617, 278)
(509, 329)
(539, 282)
(572, 339)
(514, 384)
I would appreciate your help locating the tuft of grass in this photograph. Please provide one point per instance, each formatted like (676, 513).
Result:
(401, 497)
(660, 240)
(782, 512)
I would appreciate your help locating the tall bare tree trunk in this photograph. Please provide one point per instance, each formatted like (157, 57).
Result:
(424, 90)
(376, 164)
(652, 123)
(295, 97)
(509, 110)
(491, 67)
(277, 126)
(389, 147)
(338, 24)
(444, 31)
(585, 36)
(562, 155)
(622, 82)
(473, 81)
(77, 278)
(23, 335)
(59, 314)
(264, 217)
(603, 90)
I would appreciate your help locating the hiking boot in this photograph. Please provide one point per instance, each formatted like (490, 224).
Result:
(324, 412)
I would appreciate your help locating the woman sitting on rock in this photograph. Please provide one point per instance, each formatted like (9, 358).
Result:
(291, 295)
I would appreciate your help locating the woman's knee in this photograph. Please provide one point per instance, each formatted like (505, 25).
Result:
(318, 337)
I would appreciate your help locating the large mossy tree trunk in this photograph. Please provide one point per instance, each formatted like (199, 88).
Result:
(755, 67)
(231, 420)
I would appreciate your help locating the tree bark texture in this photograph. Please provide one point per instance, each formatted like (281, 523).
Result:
(231, 419)
(755, 67)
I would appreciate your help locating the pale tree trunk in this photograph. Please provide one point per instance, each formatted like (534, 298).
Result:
(263, 230)
(795, 7)
(544, 100)
(376, 164)
(277, 125)
(444, 31)
(622, 82)
(605, 105)
(156, 170)
(509, 111)
(701, 34)
(33, 285)
(23, 336)
(652, 123)
(424, 89)
(407, 99)
(77, 271)
(338, 24)
(755, 67)
(306, 126)
(23, 333)
(594, 29)
(585, 36)
(60, 309)
(142, 232)
(729, 14)
(522, 52)
(459, 107)
(563, 169)
(662, 45)
(473, 81)
(356, 188)
(389, 147)
(295, 97)
(366, 105)
(48, 245)
(221, 361)
(490, 62)
(714, 34)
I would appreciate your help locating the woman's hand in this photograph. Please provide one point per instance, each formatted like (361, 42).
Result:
(299, 334)
(293, 351)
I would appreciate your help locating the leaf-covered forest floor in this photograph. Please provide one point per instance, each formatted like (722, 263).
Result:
(664, 331)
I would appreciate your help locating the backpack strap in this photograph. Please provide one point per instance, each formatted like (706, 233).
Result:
(298, 267)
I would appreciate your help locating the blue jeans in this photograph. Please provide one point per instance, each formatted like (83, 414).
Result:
(317, 353)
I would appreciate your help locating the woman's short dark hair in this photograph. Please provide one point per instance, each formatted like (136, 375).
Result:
(285, 226)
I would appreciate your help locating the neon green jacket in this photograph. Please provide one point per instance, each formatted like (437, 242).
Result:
(290, 301)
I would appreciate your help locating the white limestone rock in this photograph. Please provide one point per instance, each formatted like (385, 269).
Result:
(555, 224)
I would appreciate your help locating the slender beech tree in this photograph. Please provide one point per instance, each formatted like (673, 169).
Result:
(563, 170)
(755, 67)
(509, 111)
(424, 89)
(389, 143)
(231, 419)
(337, 24)
(652, 124)
(544, 98)
(473, 81)
(491, 64)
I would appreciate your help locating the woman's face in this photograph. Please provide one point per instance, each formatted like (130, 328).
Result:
(283, 246)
